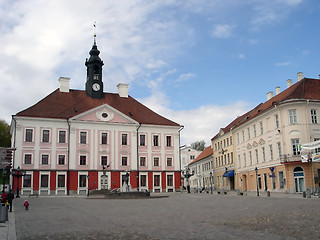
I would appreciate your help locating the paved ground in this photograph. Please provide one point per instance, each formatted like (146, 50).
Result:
(180, 216)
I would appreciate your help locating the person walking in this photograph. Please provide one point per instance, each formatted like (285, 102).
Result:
(26, 205)
(10, 197)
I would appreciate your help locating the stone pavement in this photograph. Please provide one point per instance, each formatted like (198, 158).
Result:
(180, 216)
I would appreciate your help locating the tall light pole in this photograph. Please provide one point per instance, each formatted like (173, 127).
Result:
(256, 169)
(18, 173)
(211, 181)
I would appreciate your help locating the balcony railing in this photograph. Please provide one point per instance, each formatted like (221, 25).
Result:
(287, 158)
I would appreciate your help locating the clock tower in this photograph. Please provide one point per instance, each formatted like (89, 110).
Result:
(94, 84)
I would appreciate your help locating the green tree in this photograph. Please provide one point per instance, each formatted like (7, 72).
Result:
(198, 145)
(5, 136)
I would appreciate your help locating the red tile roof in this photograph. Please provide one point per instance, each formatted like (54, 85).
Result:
(61, 105)
(305, 89)
(205, 153)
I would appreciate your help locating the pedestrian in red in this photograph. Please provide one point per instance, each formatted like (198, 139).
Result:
(26, 205)
(3, 197)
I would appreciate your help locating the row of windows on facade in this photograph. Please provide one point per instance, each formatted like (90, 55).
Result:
(225, 159)
(295, 151)
(61, 180)
(293, 119)
(223, 143)
(204, 166)
(45, 138)
(104, 160)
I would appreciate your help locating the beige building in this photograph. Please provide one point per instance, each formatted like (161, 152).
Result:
(268, 139)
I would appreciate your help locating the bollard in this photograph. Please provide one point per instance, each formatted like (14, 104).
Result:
(304, 194)
(268, 193)
(3, 213)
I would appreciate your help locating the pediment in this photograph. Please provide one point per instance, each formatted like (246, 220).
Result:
(104, 113)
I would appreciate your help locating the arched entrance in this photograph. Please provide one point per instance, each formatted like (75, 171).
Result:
(298, 175)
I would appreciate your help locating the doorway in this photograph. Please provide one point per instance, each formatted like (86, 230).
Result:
(299, 183)
(104, 182)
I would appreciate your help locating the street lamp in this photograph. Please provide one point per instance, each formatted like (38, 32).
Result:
(18, 173)
(186, 174)
(88, 185)
(211, 181)
(256, 169)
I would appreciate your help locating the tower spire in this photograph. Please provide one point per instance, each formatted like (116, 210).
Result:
(94, 33)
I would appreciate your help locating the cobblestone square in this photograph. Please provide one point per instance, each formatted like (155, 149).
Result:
(179, 216)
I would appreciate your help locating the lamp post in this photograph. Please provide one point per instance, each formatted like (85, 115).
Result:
(18, 173)
(186, 174)
(4, 173)
(256, 169)
(211, 181)
(88, 185)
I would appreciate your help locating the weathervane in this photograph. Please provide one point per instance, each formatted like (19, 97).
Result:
(94, 32)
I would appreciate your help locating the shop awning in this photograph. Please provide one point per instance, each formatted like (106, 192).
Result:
(229, 173)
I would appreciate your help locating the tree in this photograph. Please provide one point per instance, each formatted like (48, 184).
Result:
(5, 136)
(198, 145)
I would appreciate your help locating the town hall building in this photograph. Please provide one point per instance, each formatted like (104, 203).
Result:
(75, 141)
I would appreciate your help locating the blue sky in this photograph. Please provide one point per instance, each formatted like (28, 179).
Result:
(200, 63)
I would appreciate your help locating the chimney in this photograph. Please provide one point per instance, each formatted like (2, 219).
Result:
(269, 95)
(277, 90)
(64, 84)
(123, 89)
(300, 76)
(289, 83)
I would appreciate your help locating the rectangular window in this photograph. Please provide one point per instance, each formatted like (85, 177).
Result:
(238, 138)
(317, 150)
(142, 161)
(61, 159)
(156, 162)
(254, 130)
(314, 118)
(232, 158)
(83, 137)
(29, 135)
(124, 139)
(124, 161)
(230, 140)
(62, 136)
(168, 138)
(271, 152)
(248, 130)
(61, 181)
(169, 162)
(143, 180)
(242, 135)
(281, 180)
(279, 149)
(142, 140)
(156, 180)
(261, 128)
(83, 160)
(239, 161)
(155, 140)
(45, 159)
(82, 181)
(263, 154)
(27, 181)
(257, 156)
(104, 138)
(295, 146)
(170, 180)
(44, 179)
(276, 120)
(293, 116)
(104, 160)
(250, 158)
(244, 160)
(27, 158)
(45, 136)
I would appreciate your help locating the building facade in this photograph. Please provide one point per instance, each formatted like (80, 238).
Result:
(268, 139)
(202, 169)
(74, 141)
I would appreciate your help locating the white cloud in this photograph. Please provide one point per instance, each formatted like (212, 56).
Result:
(222, 31)
(241, 56)
(283, 64)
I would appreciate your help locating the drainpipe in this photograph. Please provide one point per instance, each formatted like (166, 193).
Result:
(68, 170)
(181, 128)
(138, 157)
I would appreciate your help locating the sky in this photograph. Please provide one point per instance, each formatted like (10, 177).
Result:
(200, 63)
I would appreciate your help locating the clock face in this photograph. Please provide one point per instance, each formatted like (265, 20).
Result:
(96, 87)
